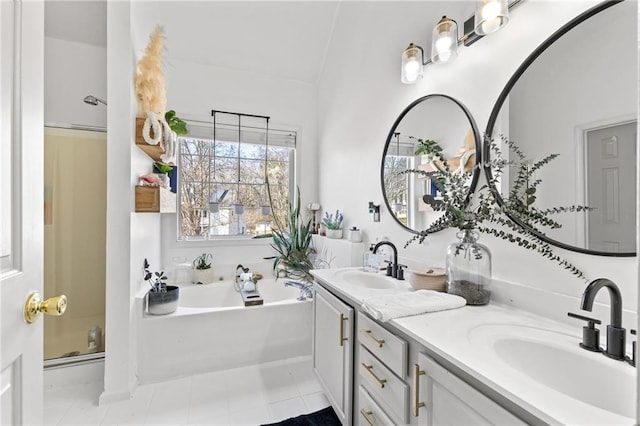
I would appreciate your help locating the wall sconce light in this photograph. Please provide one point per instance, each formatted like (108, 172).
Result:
(490, 16)
(444, 43)
(412, 64)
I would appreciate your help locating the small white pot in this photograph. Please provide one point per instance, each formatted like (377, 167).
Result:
(203, 276)
(334, 233)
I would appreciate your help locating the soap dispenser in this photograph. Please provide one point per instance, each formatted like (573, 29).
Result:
(371, 261)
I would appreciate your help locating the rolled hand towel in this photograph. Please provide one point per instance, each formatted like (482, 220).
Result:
(386, 307)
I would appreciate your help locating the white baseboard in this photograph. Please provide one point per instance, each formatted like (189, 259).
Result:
(76, 374)
(111, 397)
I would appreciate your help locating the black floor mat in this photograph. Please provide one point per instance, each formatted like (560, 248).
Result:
(324, 417)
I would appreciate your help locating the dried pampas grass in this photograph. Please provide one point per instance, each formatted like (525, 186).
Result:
(149, 80)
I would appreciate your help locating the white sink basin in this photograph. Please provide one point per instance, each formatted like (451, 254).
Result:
(366, 280)
(555, 360)
(587, 377)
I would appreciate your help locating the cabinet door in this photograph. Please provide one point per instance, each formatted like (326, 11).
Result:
(333, 351)
(444, 399)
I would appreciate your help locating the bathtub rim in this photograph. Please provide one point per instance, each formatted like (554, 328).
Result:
(188, 311)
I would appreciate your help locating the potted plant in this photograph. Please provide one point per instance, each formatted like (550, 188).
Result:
(333, 224)
(162, 170)
(293, 245)
(468, 266)
(162, 299)
(202, 271)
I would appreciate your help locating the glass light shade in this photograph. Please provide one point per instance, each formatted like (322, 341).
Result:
(214, 206)
(265, 210)
(444, 42)
(238, 208)
(412, 64)
(397, 207)
(491, 15)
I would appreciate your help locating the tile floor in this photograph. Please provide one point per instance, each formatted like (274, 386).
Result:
(251, 395)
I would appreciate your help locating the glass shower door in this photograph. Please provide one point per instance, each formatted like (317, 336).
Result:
(75, 239)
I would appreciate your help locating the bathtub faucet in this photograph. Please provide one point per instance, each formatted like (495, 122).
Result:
(306, 290)
(242, 275)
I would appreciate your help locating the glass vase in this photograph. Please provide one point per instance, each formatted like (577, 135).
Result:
(469, 268)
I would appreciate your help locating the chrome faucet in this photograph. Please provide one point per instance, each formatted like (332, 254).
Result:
(615, 333)
(394, 269)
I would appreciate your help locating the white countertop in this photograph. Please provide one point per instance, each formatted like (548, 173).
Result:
(475, 339)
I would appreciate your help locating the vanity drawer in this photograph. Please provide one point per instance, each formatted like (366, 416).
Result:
(370, 413)
(389, 348)
(387, 389)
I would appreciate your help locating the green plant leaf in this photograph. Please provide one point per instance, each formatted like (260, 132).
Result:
(175, 123)
(464, 210)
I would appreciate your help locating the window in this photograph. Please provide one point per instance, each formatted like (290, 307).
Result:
(222, 177)
(398, 186)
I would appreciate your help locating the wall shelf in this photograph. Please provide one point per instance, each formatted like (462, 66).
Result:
(153, 151)
(154, 199)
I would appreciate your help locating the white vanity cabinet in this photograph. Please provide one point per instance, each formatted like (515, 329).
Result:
(441, 398)
(376, 374)
(333, 351)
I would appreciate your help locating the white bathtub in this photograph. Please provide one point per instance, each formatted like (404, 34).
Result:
(213, 330)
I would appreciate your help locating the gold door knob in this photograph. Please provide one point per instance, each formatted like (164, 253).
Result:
(54, 306)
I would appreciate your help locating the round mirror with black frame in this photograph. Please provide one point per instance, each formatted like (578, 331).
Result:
(576, 96)
(410, 197)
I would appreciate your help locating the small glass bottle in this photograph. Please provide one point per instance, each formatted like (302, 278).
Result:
(469, 268)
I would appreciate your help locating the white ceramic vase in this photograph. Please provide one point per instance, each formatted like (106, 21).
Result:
(203, 276)
(334, 233)
(163, 303)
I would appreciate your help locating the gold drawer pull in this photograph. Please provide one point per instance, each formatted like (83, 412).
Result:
(343, 339)
(417, 405)
(367, 333)
(367, 416)
(380, 381)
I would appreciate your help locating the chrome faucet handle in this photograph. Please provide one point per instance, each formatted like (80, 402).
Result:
(590, 334)
(632, 360)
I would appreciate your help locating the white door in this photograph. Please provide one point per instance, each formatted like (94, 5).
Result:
(611, 188)
(21, 207)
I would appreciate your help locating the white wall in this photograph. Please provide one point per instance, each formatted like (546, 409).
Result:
(360, 95)
(131, 237)
(72, 71)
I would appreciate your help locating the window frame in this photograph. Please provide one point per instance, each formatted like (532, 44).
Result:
(183, 241)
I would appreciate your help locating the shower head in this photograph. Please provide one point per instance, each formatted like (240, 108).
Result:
(92, 100)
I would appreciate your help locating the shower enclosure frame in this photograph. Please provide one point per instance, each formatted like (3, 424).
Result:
(90, 357)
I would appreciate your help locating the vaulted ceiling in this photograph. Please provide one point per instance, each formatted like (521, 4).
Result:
(282, 39)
